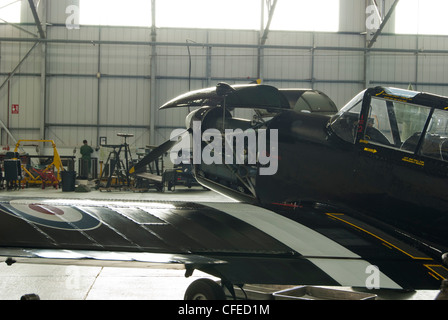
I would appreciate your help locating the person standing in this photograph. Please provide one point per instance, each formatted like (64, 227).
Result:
(86, 158)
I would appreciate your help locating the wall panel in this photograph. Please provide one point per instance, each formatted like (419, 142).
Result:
(71, 100)
(234, 63)
(124, 103)
(287, 64)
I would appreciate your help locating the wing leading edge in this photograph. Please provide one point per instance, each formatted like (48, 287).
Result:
(106, 258)
(237, 242)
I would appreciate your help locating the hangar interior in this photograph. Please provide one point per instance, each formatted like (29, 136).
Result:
(75, 82)
(81, 69)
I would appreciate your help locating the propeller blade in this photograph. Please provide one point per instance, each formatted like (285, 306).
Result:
(157, 152)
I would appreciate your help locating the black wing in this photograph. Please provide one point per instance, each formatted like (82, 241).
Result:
(236, 96)
(237, 242)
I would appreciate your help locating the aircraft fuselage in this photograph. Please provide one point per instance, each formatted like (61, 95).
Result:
(403, 190)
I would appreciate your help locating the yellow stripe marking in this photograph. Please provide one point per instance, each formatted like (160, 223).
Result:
(432, 275)
(431, 266)
(370, 150)
(334, 216)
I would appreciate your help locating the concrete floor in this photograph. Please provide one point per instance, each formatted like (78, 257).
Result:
(52, 282)
(92, 283)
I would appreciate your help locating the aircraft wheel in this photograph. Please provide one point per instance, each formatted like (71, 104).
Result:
(31, 296)
(204, 289)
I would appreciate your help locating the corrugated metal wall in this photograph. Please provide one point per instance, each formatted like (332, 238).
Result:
(98, 90)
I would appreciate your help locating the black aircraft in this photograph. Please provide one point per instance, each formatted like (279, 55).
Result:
(354, 198)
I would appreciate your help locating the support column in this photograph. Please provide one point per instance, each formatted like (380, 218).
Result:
(153, 71)
(264, 32)
(367, 72)
(98, 99)
(375, 24)
(43, 91)
(42, 27)
(208, 66)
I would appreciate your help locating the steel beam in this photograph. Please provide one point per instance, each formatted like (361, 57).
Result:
(2, 124)
(40, 28)
(153, 71)
(43, 74)
(383, 24)
(98, 90)
(271, 10)
(19, 65)
(15, 25)
(215, 45)
(208, 66)
(264, 31)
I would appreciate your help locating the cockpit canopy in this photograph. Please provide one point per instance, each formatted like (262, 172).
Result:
(400, 119)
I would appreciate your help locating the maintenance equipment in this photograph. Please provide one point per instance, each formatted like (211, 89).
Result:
(31, 175)
(118, 171)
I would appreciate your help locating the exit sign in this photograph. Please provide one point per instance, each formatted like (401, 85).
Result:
(15, 109)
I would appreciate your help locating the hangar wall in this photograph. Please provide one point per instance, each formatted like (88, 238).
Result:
(97, 79)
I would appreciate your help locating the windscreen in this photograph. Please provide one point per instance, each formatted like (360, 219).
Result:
(345, 122)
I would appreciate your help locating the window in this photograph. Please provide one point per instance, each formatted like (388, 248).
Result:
(396, 124)
(306, 15)
(435, 144)
(209, 14)
(294, 15)
(345, 123)
(389, 123)
(315, 102)
(421, 17)
(115, 12)
(10, 11)
(378, 127)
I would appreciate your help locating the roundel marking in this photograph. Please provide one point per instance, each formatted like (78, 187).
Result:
(54, 216)
(47, 209)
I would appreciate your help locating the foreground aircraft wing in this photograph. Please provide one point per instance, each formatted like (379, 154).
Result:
(237, 242)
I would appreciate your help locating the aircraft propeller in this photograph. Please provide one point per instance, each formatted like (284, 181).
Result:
(158, 152)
